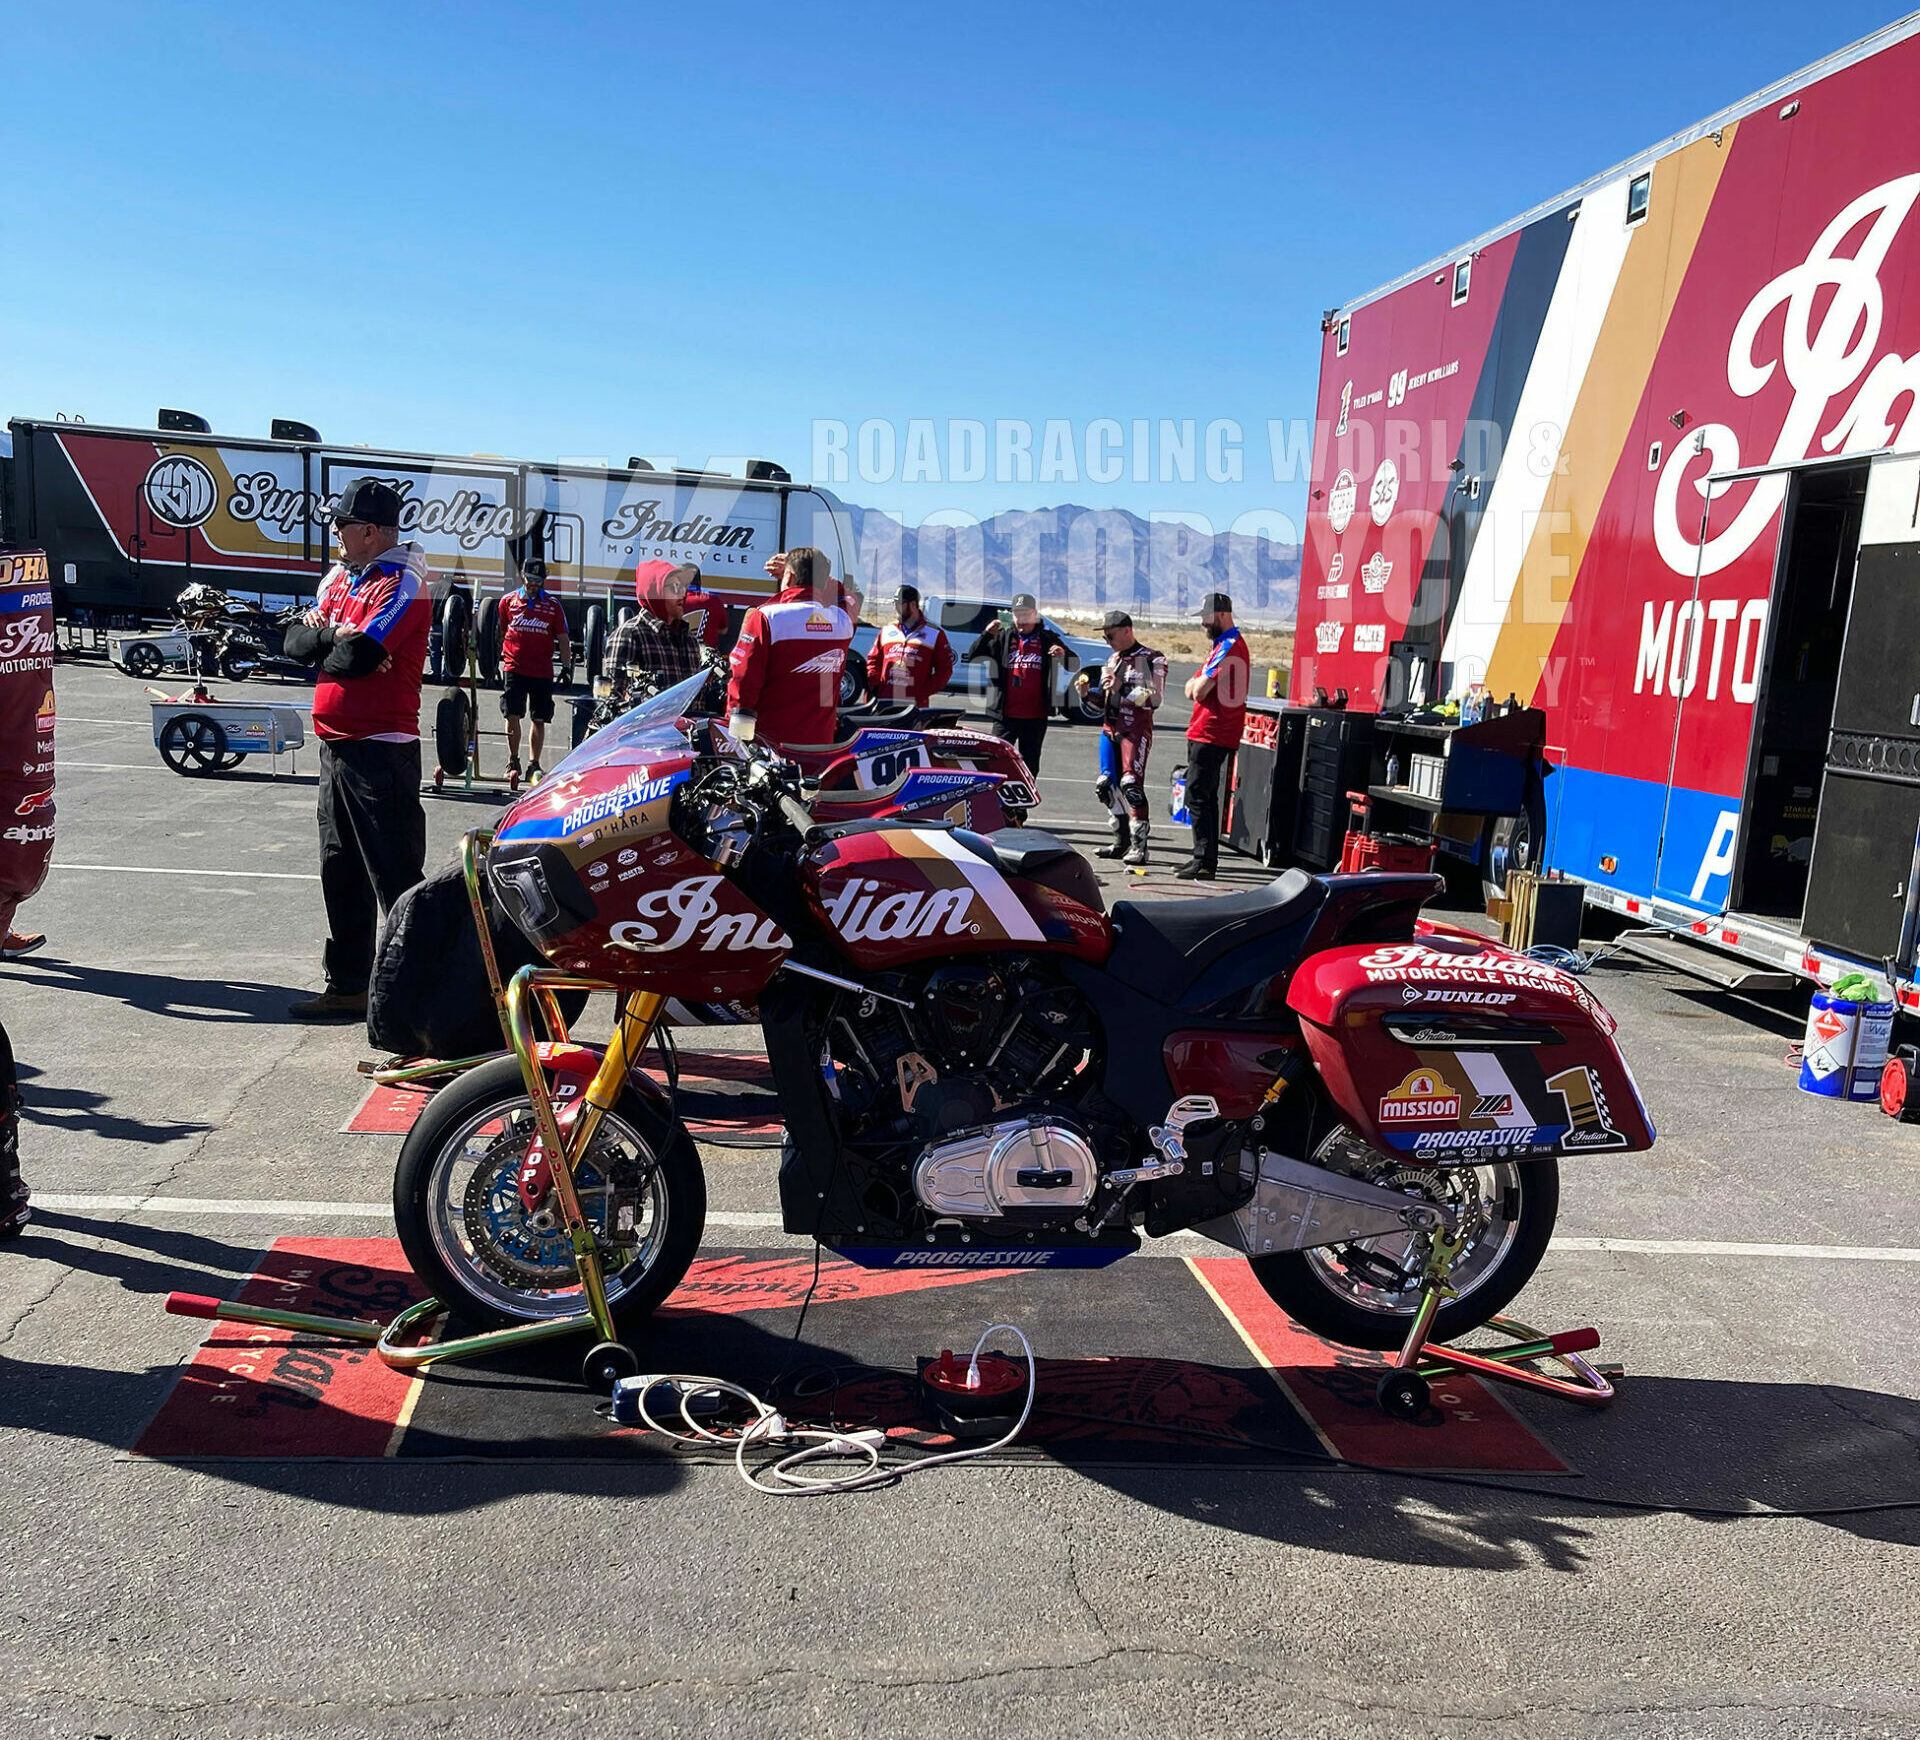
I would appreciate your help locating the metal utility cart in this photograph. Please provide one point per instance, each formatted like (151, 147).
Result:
(198, 735)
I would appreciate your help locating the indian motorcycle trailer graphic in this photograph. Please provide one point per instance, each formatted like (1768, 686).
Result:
(1649, 459)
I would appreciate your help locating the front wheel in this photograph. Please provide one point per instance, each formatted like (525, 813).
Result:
(495, 1263)
(1365, 1294)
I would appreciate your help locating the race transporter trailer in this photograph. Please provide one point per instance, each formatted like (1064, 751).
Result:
(128, 517)
(1646, 462)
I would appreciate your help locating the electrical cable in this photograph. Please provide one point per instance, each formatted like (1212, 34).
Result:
(785, 1477)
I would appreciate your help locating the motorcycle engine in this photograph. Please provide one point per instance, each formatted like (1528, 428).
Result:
(967, 1091)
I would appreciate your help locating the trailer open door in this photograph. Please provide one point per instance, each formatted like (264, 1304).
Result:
(1861, 895)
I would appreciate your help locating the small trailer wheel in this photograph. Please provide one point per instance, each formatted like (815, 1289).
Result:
(1403, 1395)
(144, 660)
(607, 1364)
(194, 744)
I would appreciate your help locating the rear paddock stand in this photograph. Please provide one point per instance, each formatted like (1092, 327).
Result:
(1405, 1388)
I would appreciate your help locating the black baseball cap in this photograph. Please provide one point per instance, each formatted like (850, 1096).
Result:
(1216, 604)
(1116, 619)
(907, 595)
(1025, 601)
(366, 501)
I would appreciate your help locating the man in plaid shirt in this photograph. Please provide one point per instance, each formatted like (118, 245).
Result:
(659, 640)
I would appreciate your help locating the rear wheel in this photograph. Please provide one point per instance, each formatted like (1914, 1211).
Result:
(1365, 1293)
(1511, 843)
(469, 1236)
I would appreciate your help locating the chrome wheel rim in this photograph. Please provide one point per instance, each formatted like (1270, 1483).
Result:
(482, 1232)
(1360, 1274)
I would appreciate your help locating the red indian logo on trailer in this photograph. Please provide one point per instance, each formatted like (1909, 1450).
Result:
(1423, 1098)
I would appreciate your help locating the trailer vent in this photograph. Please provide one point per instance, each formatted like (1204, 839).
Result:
(292, 429)
(183, 423)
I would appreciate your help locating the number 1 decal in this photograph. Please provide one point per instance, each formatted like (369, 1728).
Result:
(1586, 1102)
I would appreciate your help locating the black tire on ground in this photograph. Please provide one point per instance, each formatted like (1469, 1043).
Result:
(194, 744)
(487, 640)
(1511, 843)
(455, 616)
(1296, 1286)
(677, 1175)
(452, 731)
(144, 660)
(237, 667)
(593, 640)
(853, 679)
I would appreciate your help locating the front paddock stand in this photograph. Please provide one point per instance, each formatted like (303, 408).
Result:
(400, 1344)
(1405, 1389)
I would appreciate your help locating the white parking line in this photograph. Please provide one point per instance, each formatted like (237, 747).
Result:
(172, 870)
(84, 1202)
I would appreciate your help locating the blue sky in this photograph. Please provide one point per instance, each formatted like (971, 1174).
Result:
(692, 232)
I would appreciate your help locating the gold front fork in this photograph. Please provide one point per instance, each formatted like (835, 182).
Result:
(635, 1018)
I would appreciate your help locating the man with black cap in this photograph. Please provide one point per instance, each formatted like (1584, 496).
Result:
(1131, 684)
(1019, 657)
(1219, 696)
(911, 659)
(368, 634)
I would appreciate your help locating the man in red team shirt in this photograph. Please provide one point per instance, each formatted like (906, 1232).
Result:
(533, 633)
(1020, 658)
(911, 659)
(783, 683)
(368, 634)
(1219, 696)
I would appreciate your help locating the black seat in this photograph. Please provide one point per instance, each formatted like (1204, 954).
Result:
(1170, 948)
(1021, 851)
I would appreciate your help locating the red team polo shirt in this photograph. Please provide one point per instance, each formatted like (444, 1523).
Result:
(387, 601)
(531, 629)
(1222, 716)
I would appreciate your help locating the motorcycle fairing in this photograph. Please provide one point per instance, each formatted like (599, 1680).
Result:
(1450, 1048)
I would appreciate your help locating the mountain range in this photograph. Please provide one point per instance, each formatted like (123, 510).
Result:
(1084, 561)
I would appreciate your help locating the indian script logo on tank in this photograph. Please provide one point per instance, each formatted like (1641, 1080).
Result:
(630, 793)
(1341, 501)
(859, 917)
(694, 911)
(1423, 1098)
(1417, 963)
(1834, 310)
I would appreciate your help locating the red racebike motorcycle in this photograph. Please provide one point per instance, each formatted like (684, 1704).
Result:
(980, 1066)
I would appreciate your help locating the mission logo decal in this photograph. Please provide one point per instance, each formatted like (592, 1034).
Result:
(1423, 1098)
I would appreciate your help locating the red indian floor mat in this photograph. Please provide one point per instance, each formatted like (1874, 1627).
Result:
(1143, 1364)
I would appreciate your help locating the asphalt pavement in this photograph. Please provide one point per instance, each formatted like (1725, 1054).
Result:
(1756, 1273)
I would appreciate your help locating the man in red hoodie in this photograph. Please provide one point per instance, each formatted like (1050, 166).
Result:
(784, 681)
(368, 634)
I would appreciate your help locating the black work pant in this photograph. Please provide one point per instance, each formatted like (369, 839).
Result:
(373, 846)
(1204, 764)
(1026, 735)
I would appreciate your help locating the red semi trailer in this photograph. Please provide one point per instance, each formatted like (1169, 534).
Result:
(1648, 460)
